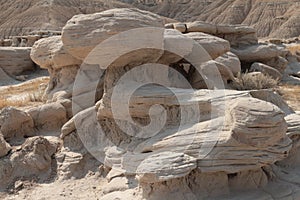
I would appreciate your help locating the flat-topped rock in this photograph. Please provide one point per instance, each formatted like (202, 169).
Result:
(16, 60)
(213, 45)
(80, 36)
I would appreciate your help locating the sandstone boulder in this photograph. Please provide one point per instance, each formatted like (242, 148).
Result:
(278, 63)
(15, 60)
(50, 53)
(80, 41)
(156, 168)
(15, 124)
(267, 70)
(257, 53)
(274, 98)
(237, 35)
(231, 61)
(213, 45)
(198, 81)
(48, 117)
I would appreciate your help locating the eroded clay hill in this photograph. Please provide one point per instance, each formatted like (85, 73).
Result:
(274, 18)
(18, 17)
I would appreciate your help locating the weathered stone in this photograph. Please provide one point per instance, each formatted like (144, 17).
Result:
(266, 70)
(213, 45)
(257, 53)
(231, 61)
(15, 60)
(15, 124)
(49, 53)
(80, 41)
(49, 117)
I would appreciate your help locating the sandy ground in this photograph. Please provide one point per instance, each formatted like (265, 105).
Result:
(85, 188)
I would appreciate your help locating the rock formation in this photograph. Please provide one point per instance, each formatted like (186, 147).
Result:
(155, 108)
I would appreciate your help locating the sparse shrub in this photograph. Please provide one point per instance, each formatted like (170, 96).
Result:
(254, 81)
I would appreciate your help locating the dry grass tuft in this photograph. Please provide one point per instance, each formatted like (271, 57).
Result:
(25, 94)
(254, 81)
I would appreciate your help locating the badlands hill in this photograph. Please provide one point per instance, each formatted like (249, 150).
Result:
(274, 18)
(18, 17)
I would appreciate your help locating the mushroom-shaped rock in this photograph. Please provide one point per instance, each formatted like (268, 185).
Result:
(80, 36)
(50, 53)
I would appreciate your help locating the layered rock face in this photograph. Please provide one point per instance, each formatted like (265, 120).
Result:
(278, 19)
(15, 61)
(200, 143)
(266, 57)
(155, 108)
(35, 15)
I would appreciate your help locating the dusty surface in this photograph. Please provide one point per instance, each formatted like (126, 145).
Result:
(89, 187)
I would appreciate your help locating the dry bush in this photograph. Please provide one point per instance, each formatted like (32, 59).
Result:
(254, 81)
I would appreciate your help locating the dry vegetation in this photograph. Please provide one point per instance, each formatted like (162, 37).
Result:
(25, 94)
(254, 81)
(294, 48)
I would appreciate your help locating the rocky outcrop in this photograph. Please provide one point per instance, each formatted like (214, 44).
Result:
(154, 108)
(236, 35)
(33, 158)
(214, 46)
(80, 42)
(15, 60)
(49, 53)
(48, 117)
(277, 19)
(267, 70)
(15, 124)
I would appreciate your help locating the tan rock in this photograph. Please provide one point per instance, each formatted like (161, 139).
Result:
(50, 53)
(256, 53)
(267, 70)
(15, 124)
(199, 26)
(80, 41)
(213, 45)
(231, 61)
(49, 117)
(181, 27)
(274, 98)
(198, 82)
(15, 60)
(156, 168)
